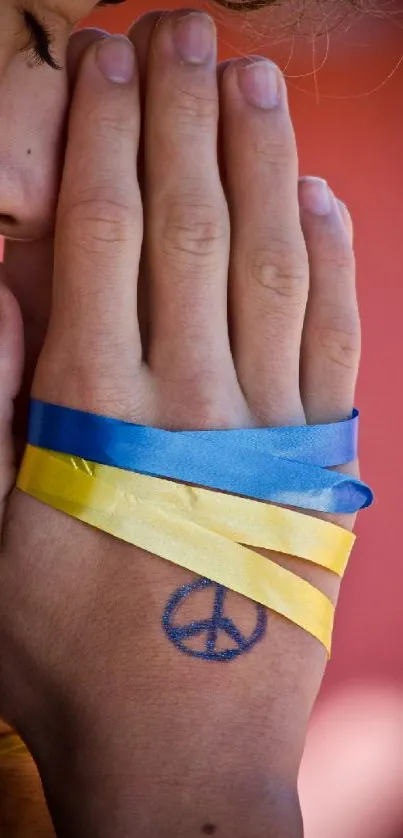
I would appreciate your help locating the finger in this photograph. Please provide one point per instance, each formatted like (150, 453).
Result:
(11, 361)
(140, 34)
(99, 223)
(331, 339)
(347, 220)
(221, 66)
(186, 214)
(29, 265)
(220, 147)
(79, 43)
(269, 267)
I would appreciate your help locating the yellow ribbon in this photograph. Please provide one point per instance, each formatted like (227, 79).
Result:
(201, 530)
(12, 746)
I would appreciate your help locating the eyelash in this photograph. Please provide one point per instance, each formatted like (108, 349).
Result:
(40, 40)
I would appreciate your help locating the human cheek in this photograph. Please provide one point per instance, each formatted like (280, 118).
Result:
(32, 113)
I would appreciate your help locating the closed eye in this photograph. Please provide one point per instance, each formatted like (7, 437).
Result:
(40, 40)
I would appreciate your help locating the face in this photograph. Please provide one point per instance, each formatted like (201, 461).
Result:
(33, 99)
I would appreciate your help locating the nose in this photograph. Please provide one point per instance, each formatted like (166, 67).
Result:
(33, 107)
(32, 117)
(27, 196)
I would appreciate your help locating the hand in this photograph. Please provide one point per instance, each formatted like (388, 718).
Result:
(120, 722)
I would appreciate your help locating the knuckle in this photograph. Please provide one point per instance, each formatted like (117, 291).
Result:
(112, 124)
(279, 269)
(101, 216)
(340, 342)
(277, 147)
(195, 230)
(193, 108)
(340, 261)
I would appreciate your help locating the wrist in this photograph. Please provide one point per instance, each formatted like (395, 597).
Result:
(93, 799)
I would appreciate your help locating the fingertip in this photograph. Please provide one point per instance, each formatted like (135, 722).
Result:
(115, 59)
(111, 56)
(142, 29)
(221, 68)
(140, 34)
(346, 218)
(78, 45)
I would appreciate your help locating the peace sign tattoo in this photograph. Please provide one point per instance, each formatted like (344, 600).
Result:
(213, 629)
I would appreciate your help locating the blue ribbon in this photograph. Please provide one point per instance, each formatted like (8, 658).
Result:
(283, 465)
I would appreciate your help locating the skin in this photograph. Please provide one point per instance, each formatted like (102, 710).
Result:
(167, 745)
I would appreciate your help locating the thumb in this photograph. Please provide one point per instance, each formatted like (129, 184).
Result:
(11, 363)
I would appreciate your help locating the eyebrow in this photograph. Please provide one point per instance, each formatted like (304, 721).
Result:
(109, 2)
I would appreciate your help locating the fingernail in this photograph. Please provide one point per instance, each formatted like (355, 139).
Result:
(115, 58)
(260, 83)
(194, 37)
(315, 196)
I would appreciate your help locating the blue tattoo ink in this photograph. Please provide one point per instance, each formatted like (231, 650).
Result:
(212, 628)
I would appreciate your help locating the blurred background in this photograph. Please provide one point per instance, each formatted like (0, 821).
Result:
(346, 94)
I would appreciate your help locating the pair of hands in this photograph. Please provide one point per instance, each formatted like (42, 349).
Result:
(187, 288)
